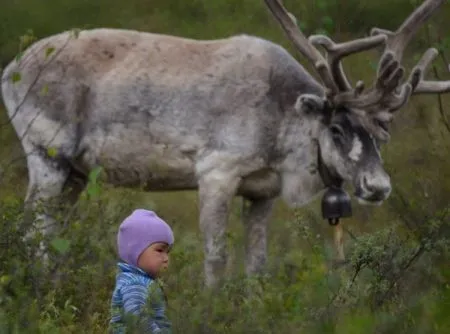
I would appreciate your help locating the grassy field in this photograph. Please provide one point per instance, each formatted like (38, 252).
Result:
(397, 280)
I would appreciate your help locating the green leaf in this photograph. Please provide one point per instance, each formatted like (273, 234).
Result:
(5, 279)
(327, 22)
(302, 25)
(76, 32)
(93, 188)
(16, 77)
(62, 246)
(52, 152)
(444, 45)
(19, 56)
(322, 4)
(49, 51)
(27, 39)
(44, 90)
(94, 174)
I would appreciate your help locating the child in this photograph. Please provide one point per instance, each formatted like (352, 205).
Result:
(138, 301)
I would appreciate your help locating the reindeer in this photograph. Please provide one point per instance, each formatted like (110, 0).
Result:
(237, 116)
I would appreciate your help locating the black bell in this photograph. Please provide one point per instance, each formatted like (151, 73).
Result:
(336, 203)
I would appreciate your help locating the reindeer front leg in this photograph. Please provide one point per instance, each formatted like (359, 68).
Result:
(216, 191)
(256, 217)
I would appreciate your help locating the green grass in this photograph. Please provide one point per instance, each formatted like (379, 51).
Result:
(297, 295)
(300, 294)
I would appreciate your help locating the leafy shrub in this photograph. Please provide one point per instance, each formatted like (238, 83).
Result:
(397, 277)
(395, 280)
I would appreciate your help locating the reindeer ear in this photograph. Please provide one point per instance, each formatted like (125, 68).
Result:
(310, 103)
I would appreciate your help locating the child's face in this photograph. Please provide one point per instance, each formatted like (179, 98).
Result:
(154, 259)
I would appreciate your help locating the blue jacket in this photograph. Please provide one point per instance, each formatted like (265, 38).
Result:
(138, 303)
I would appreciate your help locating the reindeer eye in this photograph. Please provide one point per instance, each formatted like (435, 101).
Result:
(336, 131)
(383, 125)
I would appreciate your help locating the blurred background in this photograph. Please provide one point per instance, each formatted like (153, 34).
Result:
(397, 278)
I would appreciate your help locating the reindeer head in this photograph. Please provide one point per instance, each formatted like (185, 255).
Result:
(356, 121)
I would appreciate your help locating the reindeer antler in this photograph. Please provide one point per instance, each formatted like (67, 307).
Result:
(337, 51)
(397, 41)
(330, 71)
(387, 91)
(421, 86)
